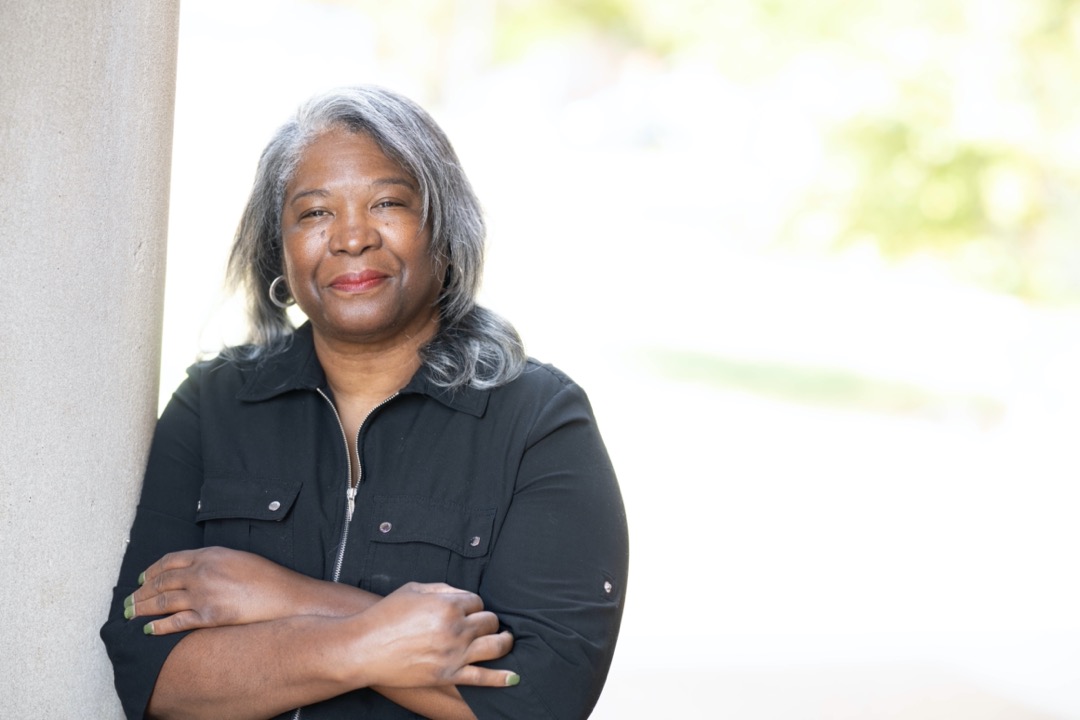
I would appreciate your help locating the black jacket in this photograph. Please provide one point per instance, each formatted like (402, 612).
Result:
(508, 493)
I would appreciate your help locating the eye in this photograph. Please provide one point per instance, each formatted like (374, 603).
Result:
(389, 203)
(314, 213)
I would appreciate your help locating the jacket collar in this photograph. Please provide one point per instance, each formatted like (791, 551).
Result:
(298, 368)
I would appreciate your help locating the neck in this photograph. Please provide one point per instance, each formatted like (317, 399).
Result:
(375, 372)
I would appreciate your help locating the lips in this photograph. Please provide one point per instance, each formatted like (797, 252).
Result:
(355, 282)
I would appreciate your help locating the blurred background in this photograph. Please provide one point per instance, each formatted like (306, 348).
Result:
(817, 265)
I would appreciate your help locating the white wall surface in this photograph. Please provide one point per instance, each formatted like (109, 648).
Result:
(86, 109)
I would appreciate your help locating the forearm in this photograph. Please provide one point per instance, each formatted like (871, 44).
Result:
(252, 671)
(436, 703)
(269, 674)
(191, 684)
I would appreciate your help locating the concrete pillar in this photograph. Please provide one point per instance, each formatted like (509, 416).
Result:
(86, 101)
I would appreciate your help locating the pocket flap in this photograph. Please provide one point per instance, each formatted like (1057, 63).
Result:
(252, 498)
(401, 519)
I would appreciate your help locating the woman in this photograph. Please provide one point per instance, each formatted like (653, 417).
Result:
(389, 511)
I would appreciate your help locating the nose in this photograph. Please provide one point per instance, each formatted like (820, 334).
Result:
(354, 233)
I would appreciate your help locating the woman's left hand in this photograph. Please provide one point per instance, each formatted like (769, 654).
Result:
(212, 587)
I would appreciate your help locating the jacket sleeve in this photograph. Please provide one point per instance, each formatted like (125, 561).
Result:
(164, 522)
(557, 574)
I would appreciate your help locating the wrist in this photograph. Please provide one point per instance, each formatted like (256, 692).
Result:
(323, 645)
(356, 660)
(329, 599)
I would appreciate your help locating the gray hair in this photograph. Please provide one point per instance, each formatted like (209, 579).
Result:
(473, 346)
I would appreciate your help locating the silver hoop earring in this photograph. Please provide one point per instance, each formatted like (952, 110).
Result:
(273, 293)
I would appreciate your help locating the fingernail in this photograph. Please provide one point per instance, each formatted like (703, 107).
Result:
(142, 577)
(512, 679)
(129, 612)
(148, 628)
(129, 600)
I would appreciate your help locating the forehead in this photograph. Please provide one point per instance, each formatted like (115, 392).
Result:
(340, 150)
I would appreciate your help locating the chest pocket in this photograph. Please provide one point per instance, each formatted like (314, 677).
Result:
(417, 539)
(251, 514)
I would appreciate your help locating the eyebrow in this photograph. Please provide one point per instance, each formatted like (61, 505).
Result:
(395, 181)
(322, 192)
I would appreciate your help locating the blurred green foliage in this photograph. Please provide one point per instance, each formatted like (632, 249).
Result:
(836, 388)
(971, 159)
(958, 134)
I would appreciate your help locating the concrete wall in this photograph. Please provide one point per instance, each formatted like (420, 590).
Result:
(86, 100)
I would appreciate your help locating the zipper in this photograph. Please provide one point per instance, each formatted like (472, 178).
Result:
(350, 489)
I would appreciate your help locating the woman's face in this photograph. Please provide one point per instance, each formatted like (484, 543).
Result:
(357, 260)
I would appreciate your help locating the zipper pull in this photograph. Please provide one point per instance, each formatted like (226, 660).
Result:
(350, 495)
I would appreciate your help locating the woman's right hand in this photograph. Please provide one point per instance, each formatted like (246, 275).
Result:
(429, 634)
(215, 586)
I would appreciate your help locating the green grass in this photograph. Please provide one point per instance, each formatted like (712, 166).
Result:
(819, 386)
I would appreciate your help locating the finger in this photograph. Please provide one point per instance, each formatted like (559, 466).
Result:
(485, 677)
(439, 588)
(166, 603)
(186, 620)
(170, 561)
(489, 647)
(158, 584)
(467, 603)
(462, 601)
(481, 623)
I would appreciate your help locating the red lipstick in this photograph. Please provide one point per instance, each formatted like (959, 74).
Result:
(355, 282)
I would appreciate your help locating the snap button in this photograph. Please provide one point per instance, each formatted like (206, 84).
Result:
(198, 506)
(275, 505)
(385, 528)
(475, 541)
(608, 587)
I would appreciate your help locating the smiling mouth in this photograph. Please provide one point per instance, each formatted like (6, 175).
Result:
(357, 282)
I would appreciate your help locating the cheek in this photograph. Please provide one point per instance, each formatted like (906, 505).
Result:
(431, 270)
(297, 252)
(428, 256)
(288, 265)
(297, 269)
(438, 279)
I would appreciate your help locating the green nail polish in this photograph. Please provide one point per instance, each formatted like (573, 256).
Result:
(148, 628)
(142, 577)
(129, 612)
(129, 600)
(512, 679)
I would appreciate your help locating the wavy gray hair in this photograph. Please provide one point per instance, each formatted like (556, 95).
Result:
(473, 346)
